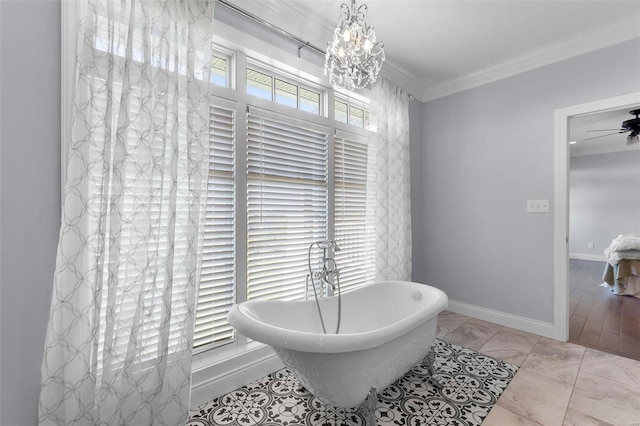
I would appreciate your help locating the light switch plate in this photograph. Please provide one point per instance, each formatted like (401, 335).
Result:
(537, 206)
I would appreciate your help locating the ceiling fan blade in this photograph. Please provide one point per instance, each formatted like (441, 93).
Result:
(602, 136)
(605, 130)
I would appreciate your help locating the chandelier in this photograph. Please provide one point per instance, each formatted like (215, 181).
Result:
(354, 57)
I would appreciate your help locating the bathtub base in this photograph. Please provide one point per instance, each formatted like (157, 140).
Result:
(429, 363)
(368, 407)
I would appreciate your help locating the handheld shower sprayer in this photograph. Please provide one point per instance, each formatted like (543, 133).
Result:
(327, 275)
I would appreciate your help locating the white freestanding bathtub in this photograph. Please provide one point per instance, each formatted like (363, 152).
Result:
(386, 329)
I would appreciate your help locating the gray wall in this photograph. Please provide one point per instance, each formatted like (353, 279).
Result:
(604, 199)
(30, 196)
(415, 166)
(485, 152)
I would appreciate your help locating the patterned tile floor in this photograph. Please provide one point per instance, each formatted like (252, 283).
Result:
(558, 383)
(472, 384)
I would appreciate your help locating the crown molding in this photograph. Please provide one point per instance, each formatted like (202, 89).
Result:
(579, 44)
(403, 80)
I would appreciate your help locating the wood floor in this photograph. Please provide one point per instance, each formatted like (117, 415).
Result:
(598, 318)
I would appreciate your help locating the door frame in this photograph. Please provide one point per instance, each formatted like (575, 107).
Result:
(561, 200)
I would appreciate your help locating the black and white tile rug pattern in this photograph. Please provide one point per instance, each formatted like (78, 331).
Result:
(473, 382)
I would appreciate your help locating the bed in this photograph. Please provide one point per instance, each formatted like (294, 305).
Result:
(622, 271)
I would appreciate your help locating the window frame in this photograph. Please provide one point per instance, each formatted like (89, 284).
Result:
(354, 103)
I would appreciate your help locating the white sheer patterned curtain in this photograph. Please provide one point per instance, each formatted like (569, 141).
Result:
(119, 339)
(390, 143)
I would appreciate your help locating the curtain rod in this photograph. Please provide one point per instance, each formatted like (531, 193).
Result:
(272, 27)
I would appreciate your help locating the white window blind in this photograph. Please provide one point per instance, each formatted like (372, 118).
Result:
(286, 202)
(216, 293)
(354, 204)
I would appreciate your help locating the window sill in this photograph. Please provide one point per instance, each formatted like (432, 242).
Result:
(220, 372)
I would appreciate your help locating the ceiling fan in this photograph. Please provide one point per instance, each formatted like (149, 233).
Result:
(632, 125)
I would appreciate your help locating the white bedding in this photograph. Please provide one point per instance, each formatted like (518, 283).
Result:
(625, 246)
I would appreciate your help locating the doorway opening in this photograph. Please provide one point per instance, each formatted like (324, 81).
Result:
(561, 199)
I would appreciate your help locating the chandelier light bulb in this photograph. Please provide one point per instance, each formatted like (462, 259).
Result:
(633, 139)
(355, 38)
(346, 36)
(354, 58)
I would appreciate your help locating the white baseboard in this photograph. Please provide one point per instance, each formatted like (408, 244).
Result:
(215, 380)
(583, 256)
(514, 321)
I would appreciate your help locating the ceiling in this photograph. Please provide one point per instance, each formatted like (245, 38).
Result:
(435, 48)
(579, 132)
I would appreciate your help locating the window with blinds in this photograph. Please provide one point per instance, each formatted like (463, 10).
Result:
(282, 162)
(354, 204)
(287, 202)
(216, 293)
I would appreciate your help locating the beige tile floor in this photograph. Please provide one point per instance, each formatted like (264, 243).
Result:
(558, 383)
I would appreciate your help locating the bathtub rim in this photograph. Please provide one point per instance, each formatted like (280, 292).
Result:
(241, 318)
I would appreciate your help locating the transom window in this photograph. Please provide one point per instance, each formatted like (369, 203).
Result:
(220, 71)
(350, 113)
(283, 91)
